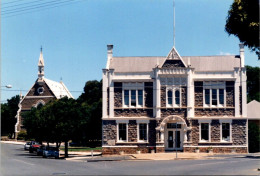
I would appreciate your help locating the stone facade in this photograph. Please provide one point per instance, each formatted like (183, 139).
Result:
(239, 132)
(109, 132)
(132, 131)
(134, 112)
(230, 95)
(216, 112)
(182, 112)
(118, 94)
(215, 131)
(198, 93)
(148, 94)
(163, 96)
(195, 132)
(184, 96)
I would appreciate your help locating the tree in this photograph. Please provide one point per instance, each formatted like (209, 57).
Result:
(253, 83)
(58, 121)
(8, 113)
(254, 137)
(91, 101)
(243, 22)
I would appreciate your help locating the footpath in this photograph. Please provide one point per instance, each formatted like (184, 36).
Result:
(97, 156)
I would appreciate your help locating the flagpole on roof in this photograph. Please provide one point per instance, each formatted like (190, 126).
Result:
(174, 23)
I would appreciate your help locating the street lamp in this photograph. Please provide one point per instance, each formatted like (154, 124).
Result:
(7, 86)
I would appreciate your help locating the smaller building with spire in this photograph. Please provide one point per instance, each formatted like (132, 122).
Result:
(42, 91)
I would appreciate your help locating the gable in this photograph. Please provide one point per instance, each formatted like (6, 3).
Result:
(173, 60)
(36, 90)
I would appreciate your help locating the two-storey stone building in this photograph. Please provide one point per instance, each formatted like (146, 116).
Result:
(174, 102)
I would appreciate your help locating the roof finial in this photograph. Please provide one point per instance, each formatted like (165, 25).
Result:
(41, 49)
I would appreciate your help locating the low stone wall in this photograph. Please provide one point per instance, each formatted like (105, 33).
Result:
(130, 150)
(217, 149)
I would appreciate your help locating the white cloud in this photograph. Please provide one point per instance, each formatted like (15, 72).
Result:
(224, 53)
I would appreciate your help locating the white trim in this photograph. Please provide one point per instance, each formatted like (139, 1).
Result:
(173, 89)
(132, 86)
(214, 146)
(214, 85)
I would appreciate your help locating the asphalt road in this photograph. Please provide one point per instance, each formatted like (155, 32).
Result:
(16, 161)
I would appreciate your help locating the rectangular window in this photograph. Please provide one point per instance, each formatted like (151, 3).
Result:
(169, 95)
(126, 97)
(221, 96)
(214, 97)
(133, 97)
(177, 97)
(207, 96)
(143, 131)
(204, 131)
(225, 131)
(140, 97)
(122, 131)
(173, 125)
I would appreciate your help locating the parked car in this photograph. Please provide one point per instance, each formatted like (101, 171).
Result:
(40, 150)
(51, 152)
(27, 145)
(34, 147)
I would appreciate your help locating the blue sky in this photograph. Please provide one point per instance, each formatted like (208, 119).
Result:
(74, 37)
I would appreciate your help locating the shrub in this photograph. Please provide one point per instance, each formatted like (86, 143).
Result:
(22, 135)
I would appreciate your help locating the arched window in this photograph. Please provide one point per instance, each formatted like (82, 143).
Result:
(169, 94)
(177, 97)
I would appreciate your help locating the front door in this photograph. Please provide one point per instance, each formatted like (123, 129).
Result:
(174, 139)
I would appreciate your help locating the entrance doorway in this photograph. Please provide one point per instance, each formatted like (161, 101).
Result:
(174, 137)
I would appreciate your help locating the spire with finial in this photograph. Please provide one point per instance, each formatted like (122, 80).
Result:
(41, 66)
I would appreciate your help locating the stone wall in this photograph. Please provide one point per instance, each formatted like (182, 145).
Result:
(163, 96)
(215, 131)
(217, 149)
(109, 132)
(132, 131)
(118, 94)
(195, 132)
(133, 112)
(230, 95)
(239, 132)
(198, 93)
(131, 150)
(148, 94)
(184, 96)
(182, 112)
(214, 112)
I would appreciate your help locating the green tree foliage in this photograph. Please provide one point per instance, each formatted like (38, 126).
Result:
(8, 113)
(243, 22)
(253, 83)
(91, 101)
(58, 121)
(254, 137)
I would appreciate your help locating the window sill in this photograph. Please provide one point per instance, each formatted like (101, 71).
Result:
(121, 142)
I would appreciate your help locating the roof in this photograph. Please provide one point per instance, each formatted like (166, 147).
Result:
(253, 110)
(58, 88)
(200, 63)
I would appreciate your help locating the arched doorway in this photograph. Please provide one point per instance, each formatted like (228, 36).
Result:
(173, 132)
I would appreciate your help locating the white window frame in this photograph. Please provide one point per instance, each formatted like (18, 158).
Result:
(130, 87)
(221, 121)
(214, 85)
(204, 121)
(173, 89)
(147, 128)
(117, 127)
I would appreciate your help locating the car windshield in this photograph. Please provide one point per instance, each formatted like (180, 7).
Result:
(28, 143)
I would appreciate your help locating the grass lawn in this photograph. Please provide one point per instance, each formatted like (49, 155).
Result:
(80, 149)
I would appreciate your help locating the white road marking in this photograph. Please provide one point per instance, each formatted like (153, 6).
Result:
(24, 162)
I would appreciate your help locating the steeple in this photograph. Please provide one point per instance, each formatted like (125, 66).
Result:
(41, 67)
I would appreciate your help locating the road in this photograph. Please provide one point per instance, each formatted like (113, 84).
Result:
(16, 161)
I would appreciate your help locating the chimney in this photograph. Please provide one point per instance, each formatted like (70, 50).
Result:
(242, 55)
(109, 55)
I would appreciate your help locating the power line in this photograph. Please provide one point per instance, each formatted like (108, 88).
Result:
(6, 12)
(29, 90)
(32, 2)
(40, 9)
(10, 2)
